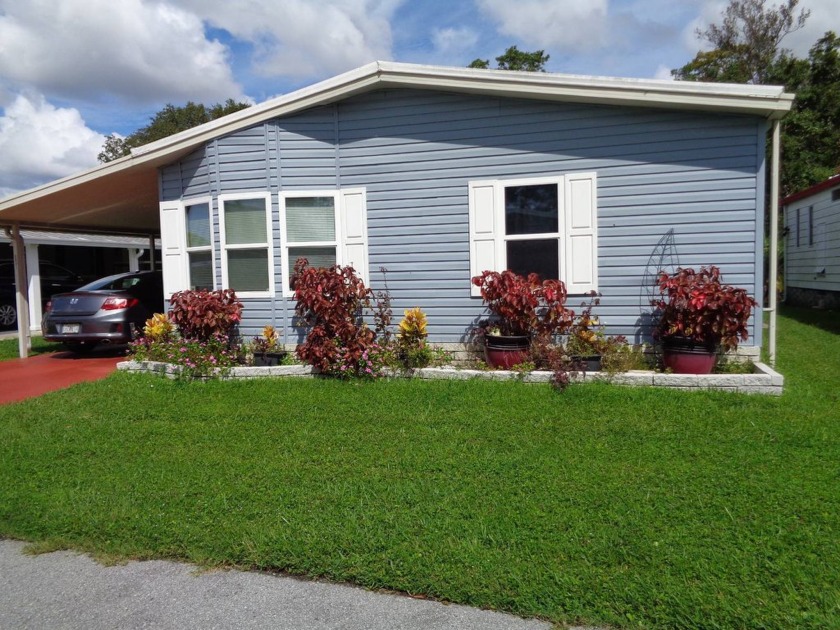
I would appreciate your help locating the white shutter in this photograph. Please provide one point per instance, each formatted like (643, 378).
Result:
(484, 231)
(173, 251)
(354, 231)
(581, 236)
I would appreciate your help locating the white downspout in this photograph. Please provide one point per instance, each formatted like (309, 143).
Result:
(774, 241)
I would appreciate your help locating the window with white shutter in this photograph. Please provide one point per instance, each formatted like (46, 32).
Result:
(325, 227)
(546, 226)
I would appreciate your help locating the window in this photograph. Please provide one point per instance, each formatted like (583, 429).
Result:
(325, 227)
(546, 226)
(798, 224)
(835, 194)
(199, 246)
(810, 225)
(245, 226)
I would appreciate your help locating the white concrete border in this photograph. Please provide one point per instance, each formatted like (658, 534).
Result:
(764, 380)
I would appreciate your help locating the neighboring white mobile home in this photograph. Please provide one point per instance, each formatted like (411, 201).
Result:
(812, 245)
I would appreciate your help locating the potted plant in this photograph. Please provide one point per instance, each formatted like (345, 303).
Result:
(697, 316)
(521, 307)
(266, 348)
(586, 341)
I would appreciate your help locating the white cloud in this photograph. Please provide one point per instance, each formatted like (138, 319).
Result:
(664, 73)
(133, 49)
(454, 40)
(39, 142)
(824, 17)
(305, 37)
(557, 25)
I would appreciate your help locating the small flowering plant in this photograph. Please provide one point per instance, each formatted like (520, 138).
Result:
(368, 365)
(697, 306)
(197, 359)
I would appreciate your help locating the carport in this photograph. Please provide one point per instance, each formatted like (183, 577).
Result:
(119, 198)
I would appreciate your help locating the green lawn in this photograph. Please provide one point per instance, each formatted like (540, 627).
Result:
(604, 505)
(9, 348)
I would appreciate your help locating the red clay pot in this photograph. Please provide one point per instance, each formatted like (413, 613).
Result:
(684, 356)
(505, 351)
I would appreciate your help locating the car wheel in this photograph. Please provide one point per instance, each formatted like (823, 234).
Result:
(80, 347)
(8, 315)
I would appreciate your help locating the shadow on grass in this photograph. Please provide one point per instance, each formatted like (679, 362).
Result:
(826, 320)
(9, 347)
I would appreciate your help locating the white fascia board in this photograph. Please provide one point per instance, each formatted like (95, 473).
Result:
(762, 100)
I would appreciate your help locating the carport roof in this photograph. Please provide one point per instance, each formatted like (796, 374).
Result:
(122, 196)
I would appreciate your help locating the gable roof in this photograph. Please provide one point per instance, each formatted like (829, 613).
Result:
(123, 195)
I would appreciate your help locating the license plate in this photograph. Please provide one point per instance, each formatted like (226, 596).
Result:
(69, 329)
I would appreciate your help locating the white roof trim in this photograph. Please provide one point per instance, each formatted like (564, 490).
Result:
(765, 101)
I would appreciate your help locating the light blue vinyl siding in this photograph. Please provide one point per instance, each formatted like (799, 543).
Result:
(415, 151)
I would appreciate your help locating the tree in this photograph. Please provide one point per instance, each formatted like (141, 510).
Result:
(745, 44)
(168, 121)
(515, 59)
(811, 139)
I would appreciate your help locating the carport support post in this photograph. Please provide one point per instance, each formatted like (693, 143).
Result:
(151, 252)
(22, 290)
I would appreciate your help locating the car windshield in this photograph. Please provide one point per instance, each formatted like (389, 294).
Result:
(112, 283)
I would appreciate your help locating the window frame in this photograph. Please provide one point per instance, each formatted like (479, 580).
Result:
(286, 245)
(186, 203)
(268, 245)
(577, 227)
(505, 238)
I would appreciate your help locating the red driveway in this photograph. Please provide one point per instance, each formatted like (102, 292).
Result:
(27, 378)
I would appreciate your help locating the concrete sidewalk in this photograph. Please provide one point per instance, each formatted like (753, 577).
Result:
(68, 590)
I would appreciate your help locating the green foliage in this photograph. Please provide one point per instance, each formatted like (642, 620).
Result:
(747, 50)
(515, 59)
(811, 138)
(168, 121)
(617, 507)
(203, 315)
(9, 348)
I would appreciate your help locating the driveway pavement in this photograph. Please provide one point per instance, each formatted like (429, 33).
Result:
(39, 374)
(65, 590)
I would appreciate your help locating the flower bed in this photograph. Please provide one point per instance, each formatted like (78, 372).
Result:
(764, 380)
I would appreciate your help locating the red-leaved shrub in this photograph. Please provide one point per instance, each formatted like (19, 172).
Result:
(525, 306)
(331, 300)
(696, 305)
(202, 315)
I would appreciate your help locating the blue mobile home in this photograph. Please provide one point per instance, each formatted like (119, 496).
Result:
(436, 174)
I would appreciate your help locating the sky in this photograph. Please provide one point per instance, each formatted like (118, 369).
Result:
(74, 71)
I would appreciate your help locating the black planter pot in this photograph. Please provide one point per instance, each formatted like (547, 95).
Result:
(685, 356)
(267, 359)
(589, 363)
